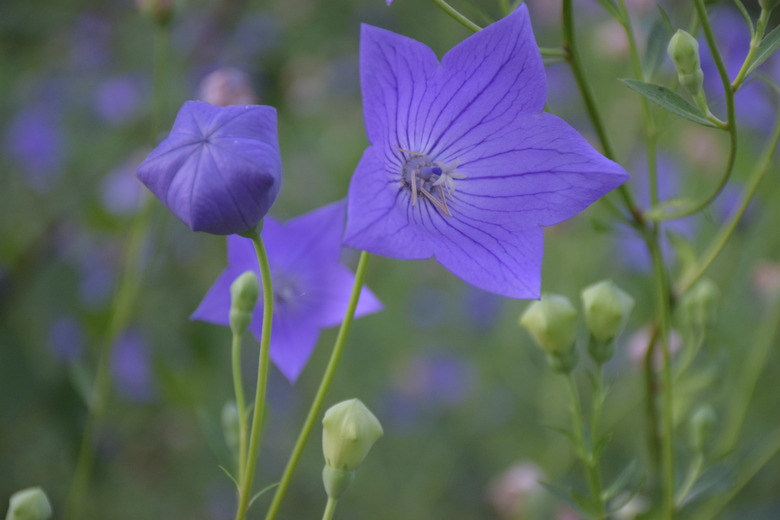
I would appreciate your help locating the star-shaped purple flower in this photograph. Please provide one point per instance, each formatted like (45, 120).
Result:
(311, 288)
(462, 165)
(219, 170)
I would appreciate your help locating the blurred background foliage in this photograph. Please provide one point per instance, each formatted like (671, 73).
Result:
(462, 392)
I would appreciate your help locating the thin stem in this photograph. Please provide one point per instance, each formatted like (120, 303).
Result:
(651, 408)
(553, 52)
(731, 123)
(719, 242)
(262, 379)
(755, 41)
(598, 401)
(330, 507)
(238, 388)
(322, 391)
(461, 19)
(122, 307)
(585, 450)
(573, 57)
(667, 423)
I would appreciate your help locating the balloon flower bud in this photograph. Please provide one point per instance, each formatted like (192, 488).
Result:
(552, 322)
(231, 425)
(702, 423)
(683, 49)
(699, 306)
(349, 431)
(607, 308)
(29, 504)
(243, 297)
(160, 11)
(767, 5)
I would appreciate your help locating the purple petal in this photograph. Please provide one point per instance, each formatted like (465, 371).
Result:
(380, 211)
(485, 83)
(537, 171)
(219, 171)
(292, 343)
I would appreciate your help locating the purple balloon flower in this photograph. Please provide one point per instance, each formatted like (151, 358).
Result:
(219, 170)
(311, 288)
(462, 165)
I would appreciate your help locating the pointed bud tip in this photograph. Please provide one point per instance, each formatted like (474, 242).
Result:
(29, 504)
(552, 322)
(349, 431)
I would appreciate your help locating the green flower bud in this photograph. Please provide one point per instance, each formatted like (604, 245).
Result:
(552, 322)
(702, 423)
(29, 504)
(683, 49)
(160, 11)
(699, 306)
(767, 5)
(349, 431)
(231, 426)
(336, 480)
(607, 308)
(243, 297)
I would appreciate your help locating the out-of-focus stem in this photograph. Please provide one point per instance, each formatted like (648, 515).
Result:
(461, 19)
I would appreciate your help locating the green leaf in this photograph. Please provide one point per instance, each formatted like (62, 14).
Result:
(230, 475)
(660, 34)
(619, 483)
(564, 496)
(766, 48)
(260, 493)
(612, 9)
(670, 100)
(744, 12)
(670, 207)
(685, 253)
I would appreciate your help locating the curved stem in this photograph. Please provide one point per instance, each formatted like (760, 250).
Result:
(322, 391)
(330, 507)
(584, 450)
(245, 491)
(465, 22)
(731, 123)
(238, 388)
(719, 242)
(694, 472)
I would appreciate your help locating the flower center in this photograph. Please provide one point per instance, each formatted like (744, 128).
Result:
(429, 179)
(285, 291)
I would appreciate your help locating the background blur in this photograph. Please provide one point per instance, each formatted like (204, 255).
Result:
(462, 392)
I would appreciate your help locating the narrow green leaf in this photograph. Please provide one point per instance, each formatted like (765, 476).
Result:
(611, 8)
(230, 475)
(587, 503)
(619, 483)
(564, 496)
(670, 100)
(669, 207)
(260, 493)
(660, 34)
(766, 48)
(741, 8)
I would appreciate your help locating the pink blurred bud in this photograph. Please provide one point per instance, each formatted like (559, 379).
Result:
(227, 86)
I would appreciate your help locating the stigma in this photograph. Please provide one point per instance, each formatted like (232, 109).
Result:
(429, 180)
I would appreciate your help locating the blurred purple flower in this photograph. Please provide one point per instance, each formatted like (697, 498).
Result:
(219, 170)
(481, 307)
(311, 288)
(463, 166)
(66, 339)
(131, 368)
(118, 99)
(90, 42)
(34, 142)
(120, 191)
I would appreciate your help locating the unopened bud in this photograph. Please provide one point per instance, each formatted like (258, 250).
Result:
(767, 5)
(699, 306)
(552, 322)
(336, 481)
(607, 308)
(683, 49)
(227, 86)
(702, 423)
(243, 298)
(29, 504)
(160, 11)
(349, 430)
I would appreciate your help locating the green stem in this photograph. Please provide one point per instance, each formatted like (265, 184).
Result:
(585, 450)
(573, 57)
(667, 423)
(245, 492)
(238, 388)
(330, 507)
(651, 408)
(322, 391)
(465, 22)
(731, 123)
(598, 402)
(122, 307)
(755, 41)
(723, 235)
